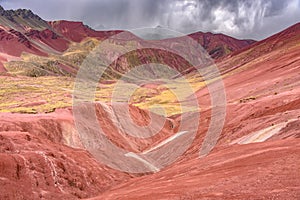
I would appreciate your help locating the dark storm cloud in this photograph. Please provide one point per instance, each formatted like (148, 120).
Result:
(276, 8)
(239, 18)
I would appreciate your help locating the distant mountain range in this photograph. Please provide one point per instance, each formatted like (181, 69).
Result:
(59, 47)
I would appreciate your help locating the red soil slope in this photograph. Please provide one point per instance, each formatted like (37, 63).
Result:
(49, 38)
(281, 41)
(36, 163)
(36, 168)
(257, 155)
(44, 154)
(256, 171)
(14, 43)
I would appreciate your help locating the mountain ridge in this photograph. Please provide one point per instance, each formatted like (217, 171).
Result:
(38, 37)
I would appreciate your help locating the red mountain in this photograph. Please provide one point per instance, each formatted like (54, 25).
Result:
(77, 31)
(23, 31)
(219, 45)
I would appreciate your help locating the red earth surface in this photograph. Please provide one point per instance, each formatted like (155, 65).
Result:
(257, 155)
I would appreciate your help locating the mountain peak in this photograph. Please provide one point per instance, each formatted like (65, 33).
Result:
(23, 13)
(21, 19)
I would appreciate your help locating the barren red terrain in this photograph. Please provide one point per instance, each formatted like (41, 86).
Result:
(43, 155)
(258, 152)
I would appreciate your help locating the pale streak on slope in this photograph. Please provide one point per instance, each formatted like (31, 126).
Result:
(170, 139)
(52, 168)
(262, 135)
(147, 163)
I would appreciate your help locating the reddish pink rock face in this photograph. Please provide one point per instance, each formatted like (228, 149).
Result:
(33, 168)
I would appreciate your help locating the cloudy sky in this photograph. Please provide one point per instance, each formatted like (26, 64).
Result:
(255, 19)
